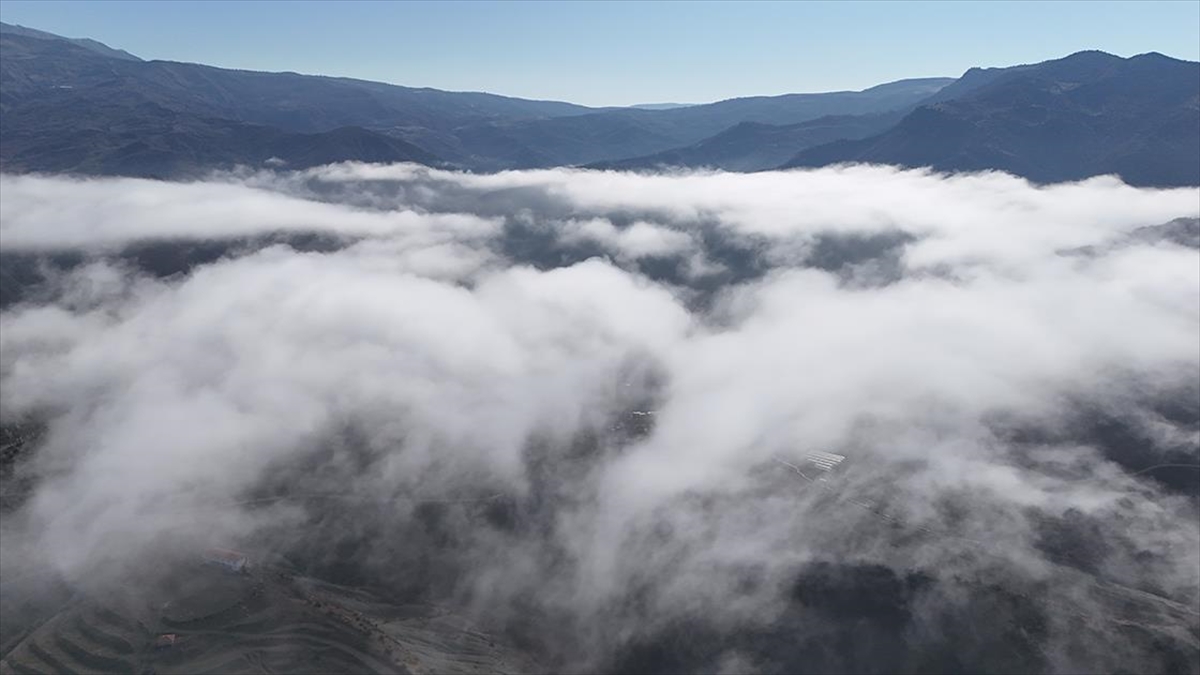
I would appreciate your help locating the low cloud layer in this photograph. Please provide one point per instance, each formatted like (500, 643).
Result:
(617, 378)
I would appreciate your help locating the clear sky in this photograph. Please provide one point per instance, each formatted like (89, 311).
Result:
(619, 53)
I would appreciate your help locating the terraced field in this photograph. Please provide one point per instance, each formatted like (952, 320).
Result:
(85, 638)
(261, 623)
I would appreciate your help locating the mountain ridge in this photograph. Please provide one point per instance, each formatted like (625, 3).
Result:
(1087, 113)
(471, 130)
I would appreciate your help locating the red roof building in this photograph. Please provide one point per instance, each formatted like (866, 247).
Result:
(230, 560)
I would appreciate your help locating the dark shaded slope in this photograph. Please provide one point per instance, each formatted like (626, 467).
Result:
(1085, 115)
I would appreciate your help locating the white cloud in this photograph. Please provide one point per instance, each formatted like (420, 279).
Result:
(462, 364)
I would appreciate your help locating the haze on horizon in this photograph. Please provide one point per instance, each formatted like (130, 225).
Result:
(603, 54)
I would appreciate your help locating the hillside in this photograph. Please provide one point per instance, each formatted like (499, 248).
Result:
(267, 619)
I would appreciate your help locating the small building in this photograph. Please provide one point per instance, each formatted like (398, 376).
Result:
(165, 641)
(224, 558)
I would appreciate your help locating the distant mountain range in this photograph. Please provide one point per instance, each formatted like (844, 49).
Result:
(73, 105)
(755, 146)
(77, 105)
(613, 134)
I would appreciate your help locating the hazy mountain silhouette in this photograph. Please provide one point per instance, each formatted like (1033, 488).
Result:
(661, 106)
(753, 146)
(612, 135)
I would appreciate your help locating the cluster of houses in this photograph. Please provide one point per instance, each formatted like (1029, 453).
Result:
(823, 460)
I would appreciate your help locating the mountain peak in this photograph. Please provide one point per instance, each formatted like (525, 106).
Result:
(1091, 53)
(1086, 57)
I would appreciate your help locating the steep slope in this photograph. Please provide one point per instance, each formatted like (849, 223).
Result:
(1085, 115)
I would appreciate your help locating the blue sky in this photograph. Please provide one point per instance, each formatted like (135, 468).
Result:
(618, 53)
